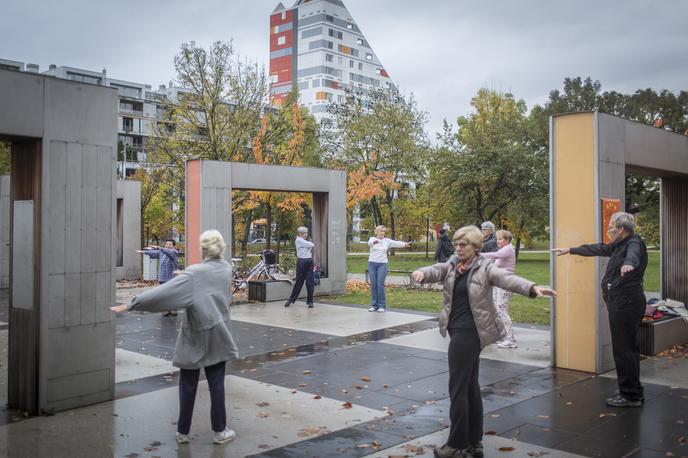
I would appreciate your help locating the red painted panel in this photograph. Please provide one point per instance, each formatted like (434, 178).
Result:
(193, 212)
(287, 44)
(383, 72)
(276, 19)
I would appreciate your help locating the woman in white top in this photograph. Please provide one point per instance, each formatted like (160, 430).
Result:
(504, 258)
(377, 267)
(304, 268)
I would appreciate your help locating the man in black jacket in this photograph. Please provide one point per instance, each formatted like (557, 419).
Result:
(622, 289)
(445, 247)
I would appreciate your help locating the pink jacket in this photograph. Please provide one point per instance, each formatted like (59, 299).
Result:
(505, 257)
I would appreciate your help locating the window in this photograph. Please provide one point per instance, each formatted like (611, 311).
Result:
(359, 41)
(369, 56)
(340, 60)
(350, 26)
(329, 58)
(360, 66)
(351, 64)
(336, 34)
(329, 18)
(284, 15)
(281, 40)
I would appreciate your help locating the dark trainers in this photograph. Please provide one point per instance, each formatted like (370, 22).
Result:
(476, 450)
(310, 305)
(621, 401)
(288, 303)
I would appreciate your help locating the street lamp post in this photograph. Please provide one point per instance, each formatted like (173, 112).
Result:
(427, 237)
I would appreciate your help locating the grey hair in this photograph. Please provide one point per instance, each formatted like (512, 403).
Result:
(623, 220)
(489, 226)
(212, 244)
(301, 230)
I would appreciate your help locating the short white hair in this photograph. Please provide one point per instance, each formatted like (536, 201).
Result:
(489, 226)
(302, 230)
(212, 244)
(623, 220)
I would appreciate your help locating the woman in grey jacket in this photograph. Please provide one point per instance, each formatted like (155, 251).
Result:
(205, 338)
(473, 322)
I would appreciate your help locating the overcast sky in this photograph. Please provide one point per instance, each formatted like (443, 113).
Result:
(442, 51)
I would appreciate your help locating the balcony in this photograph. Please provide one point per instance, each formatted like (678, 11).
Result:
(130, 112)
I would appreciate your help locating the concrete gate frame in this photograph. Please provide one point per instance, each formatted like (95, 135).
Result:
(590, 154)
(208, 205)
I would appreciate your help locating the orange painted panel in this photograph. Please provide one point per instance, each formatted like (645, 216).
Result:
(609, 207)
(193, 212)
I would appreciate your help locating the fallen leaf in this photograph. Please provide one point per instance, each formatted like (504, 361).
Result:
(542, 453)
(262, 404)
(313, 431)
(362, 445)
(301, 385)
(602, 415)
(506, 449)
(376, 444)
(543, 416)
(132, 455)
(317, 396)
(413, 449)
(307, 372)
(358, 387)
(569, 403)
(495, 415)
(263, 446)
(365, 378)
(385, 386)
(490, 433)
(262, 415)
(683, 440)
(347, 405)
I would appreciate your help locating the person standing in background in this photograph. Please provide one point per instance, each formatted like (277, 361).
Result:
(169, 263)
(304, 268)
(377, 267)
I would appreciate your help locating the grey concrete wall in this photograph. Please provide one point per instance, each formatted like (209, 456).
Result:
(219, 178)
(77, 126)
(4, 231)
(130, 193)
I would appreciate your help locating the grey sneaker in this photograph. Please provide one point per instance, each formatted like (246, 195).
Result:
(224, 436)
(621, 401)
(182, 438)
(476, 450)
(447, 452)
(372, 309)
(381, 310)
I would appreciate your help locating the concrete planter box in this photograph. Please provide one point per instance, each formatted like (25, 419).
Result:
(657, 336)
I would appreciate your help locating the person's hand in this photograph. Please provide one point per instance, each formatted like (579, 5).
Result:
(626, 269)
(560, 251)
(418, 276)
(541, 291)
(177, 272)
(140, 251)
(408, 244)
(119, 308)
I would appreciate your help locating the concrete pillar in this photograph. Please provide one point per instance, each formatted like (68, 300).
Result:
(62, 339)
(128, 229)
(4, 231)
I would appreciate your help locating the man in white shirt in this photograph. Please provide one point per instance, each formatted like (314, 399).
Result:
(304, 268)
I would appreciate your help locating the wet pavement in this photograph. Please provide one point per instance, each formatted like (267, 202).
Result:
(340, 381)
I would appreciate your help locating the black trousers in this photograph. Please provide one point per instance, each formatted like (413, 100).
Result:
(625, 316)
(188, 383)
(304, 272)
(466, 409)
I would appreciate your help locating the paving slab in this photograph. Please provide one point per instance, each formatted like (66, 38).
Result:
(323, 318)
(661, 371)
(264, 417)
(130, 365)
(494, 446)
(534, 347)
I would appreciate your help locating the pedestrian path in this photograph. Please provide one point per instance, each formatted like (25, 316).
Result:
(339, 381)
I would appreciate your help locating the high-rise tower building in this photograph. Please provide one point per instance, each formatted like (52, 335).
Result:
(317, 47)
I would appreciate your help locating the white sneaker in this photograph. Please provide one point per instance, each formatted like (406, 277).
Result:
(381, 310)
(182, 438)
(224, 436)
(506, 343)
(372, 309)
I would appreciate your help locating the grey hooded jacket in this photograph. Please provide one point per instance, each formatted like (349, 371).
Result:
(205, 337)
(482, 277)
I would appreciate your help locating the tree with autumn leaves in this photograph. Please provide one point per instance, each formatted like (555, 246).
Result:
(380, 139)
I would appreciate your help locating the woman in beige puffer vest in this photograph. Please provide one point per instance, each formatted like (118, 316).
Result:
(473, 322)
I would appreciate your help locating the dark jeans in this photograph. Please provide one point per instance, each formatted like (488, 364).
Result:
(304, 272)
(625, 316)
(466, 409)
(188, 382)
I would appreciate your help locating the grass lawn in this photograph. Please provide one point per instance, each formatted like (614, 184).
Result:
(533, 266)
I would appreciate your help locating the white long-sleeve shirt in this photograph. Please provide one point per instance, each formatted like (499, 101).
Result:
(505, 257)
(304, 248)
(378, 251)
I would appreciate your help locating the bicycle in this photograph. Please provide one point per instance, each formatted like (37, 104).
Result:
(266, 269)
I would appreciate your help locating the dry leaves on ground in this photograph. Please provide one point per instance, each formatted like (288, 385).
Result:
(313, 431)
(541, 453)
(604, 414)
(506, 449)
(417, 449)
(307, 372)
(262, 415)
(347, 405)
(353, 286)
(262, 404)
(317, 396)
(365, 378)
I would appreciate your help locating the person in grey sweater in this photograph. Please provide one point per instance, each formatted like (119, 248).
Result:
(205, 337)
